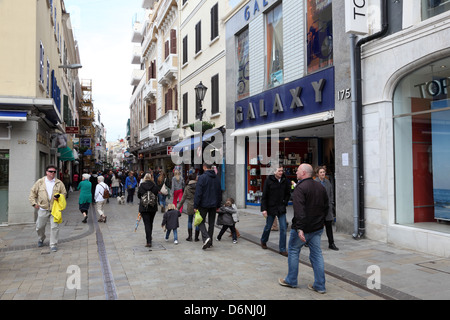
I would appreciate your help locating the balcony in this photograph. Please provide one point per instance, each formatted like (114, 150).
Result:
(150, 88)
(147, 132)
(138, 32)
(168, 70)
(165, 125)
(148, 4)
(136, 77)
(137, 55)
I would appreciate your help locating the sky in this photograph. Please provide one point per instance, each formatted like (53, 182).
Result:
(103, 29)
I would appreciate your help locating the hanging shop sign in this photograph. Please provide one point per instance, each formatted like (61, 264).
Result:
(356, 16)
(309, 95)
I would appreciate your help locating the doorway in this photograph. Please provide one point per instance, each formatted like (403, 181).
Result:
(4, 185)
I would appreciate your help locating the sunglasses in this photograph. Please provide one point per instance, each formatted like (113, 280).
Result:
(51, 171)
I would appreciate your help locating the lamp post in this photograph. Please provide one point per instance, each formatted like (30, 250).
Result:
(200, 92)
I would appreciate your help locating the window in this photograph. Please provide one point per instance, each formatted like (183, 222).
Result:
(319, 35)
(185, 49)
(422, 147)
(185, 108)
(215, 94)
(173, 41)
(243, 75)
(41, 63)
(431, 8)
(151, 112)
(215, 21)
(198, 37)
(274, 47)
(48, 77)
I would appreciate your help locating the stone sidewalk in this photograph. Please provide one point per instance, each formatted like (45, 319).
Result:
(114, 264)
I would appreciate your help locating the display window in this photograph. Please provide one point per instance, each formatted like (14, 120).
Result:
(422, 147)
(291, 153)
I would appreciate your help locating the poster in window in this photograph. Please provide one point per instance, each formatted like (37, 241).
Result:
(319, 35)
(243, 75)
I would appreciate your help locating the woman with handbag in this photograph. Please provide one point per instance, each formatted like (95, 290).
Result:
(164, 186)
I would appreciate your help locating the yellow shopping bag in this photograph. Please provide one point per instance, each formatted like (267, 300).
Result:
(58, 207)
(197, 218)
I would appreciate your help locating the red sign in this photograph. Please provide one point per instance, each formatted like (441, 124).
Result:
(169, 150)
(72, 130)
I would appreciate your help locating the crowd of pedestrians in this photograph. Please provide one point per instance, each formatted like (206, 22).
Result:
(201, 195)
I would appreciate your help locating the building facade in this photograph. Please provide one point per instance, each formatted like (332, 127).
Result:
(39, 99)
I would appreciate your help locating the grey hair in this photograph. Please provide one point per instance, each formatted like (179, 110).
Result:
(86, 176)
(100, 178)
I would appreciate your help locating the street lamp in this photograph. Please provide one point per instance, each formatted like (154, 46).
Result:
(200, 92)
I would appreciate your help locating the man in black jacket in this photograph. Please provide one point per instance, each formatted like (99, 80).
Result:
(207, 199)
(310, 209)
(275, 198)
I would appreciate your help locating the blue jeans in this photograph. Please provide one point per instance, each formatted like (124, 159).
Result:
(175, 234)
(162, 200)
(191, 222)
(315, 257)
(282, 225)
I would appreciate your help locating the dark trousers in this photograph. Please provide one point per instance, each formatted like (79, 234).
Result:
(329, 230)
(211, 213)
(224, 228)
(130, 195)
(148, 218)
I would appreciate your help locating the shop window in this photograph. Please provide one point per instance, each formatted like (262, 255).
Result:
(243, 75)
(431, 8)
(422, 146)
(274, 47)
(319, 34)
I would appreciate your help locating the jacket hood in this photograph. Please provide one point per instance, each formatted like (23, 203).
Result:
(210, 173)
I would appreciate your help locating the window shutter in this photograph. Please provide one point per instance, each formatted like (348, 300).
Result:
(185, 49)
(198, 37)
(215, 94)
(185, 108)
(173, 41)
(166, 49)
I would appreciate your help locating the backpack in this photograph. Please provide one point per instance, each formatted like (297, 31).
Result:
(106, 194)
(148, 199)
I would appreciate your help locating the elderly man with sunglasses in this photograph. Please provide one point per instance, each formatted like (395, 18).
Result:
(41, 198)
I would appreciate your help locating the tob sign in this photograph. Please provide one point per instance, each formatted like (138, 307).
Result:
(356, 16)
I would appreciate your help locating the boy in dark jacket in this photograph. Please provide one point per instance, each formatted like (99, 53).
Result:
(170, 222)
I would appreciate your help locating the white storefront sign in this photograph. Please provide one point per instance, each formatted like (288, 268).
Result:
(356, 16)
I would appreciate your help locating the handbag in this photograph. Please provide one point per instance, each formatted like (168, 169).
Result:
(164, 190)
(197, 218)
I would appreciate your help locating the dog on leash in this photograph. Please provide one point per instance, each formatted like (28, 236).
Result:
(121, 200)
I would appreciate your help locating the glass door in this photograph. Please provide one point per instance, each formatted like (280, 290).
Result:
(4, 183)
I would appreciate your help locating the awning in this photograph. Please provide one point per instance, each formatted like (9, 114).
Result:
(66, 154)
(193, 142)
(295, 122)
(13, 115)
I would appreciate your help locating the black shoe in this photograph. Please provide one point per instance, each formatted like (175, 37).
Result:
(85, 219)
(333, 247)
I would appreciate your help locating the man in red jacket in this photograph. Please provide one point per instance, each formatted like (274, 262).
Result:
(310, 209)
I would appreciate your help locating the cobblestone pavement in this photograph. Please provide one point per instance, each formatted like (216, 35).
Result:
(113, 263)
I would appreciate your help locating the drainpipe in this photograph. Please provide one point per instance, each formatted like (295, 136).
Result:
(358, 151)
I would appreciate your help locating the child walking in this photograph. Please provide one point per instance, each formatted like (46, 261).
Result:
(228, 216)
(170, 222)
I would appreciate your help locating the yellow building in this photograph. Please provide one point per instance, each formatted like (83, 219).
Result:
(38, 97)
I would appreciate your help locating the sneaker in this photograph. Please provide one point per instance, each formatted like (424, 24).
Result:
(310, 287)
(54, 249)
(40, 243)
(176, 242)
(207, 244)
(217, 239)
(284, 283)
(167, 239)
(234, 241)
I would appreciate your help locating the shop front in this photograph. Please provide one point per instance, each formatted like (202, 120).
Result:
(288, 125)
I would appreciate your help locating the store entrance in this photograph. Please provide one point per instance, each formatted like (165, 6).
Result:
(4, 186)
(313, 145)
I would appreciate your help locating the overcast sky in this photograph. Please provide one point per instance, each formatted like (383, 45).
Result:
(103, 29)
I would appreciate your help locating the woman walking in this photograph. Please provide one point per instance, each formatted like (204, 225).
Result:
(148, 213)
(188, 197)
(177, 187)
(162, 180)
(85, 198)
(99, 200)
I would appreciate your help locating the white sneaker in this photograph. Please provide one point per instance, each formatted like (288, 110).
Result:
(176, 242)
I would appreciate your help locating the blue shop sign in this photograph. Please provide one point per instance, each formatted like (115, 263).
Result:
(309, 95)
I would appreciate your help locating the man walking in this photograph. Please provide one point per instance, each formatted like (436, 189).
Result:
(275, 198)
(42, 196)
(207, 199)
(310, 209)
